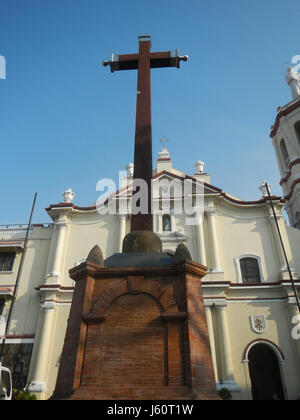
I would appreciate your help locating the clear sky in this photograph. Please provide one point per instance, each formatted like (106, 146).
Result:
(66, 121)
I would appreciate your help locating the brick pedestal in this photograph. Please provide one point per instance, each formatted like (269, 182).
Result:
(137, 333)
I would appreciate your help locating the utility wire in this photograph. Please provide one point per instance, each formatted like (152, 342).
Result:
(283, 249)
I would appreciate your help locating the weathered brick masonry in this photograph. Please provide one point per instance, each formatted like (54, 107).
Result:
(137, 333)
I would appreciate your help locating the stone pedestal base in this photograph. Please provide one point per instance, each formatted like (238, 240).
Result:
(137, 333)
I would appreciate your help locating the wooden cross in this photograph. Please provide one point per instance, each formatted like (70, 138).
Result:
(144, 61)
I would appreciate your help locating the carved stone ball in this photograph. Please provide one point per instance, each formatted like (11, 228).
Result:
(142, 241)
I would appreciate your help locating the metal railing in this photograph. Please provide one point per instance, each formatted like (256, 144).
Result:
(15, 228)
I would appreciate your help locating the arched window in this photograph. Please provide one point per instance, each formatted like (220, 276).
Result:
(284, 152)
(297, 129)
(250, 270)
(167, 224)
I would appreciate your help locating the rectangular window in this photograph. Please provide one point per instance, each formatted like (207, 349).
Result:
(250, 270)
(7, 261)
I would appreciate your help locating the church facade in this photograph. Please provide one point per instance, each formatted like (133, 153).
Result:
(248, 297)
(250, 306)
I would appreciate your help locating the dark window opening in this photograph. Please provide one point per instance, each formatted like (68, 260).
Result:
(297, 220)
(17, 358)
(250, 270)
(2, 303)
(7, 261)
(284, 152)
(297, 129)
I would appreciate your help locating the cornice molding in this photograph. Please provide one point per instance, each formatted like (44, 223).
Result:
(284, 111)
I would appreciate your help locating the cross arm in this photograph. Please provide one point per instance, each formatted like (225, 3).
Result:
(157, 60)
(122, 62)
(166, 59)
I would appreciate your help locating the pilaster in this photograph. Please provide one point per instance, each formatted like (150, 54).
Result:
(43, 342)
(284, 274)
(211, 333)
(199, 231)
(228, 379)
(122, 230)
(216, 260)
(57, 252)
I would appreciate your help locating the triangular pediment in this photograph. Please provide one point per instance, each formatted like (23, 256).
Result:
(208, 189)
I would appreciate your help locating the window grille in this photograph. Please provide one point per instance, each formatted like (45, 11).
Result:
(7, 261)
(250, 270)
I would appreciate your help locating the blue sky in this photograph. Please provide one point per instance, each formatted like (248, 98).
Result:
(66, 121)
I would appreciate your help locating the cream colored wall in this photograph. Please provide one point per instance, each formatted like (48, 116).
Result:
(294, 240)
(278, 332)
(245, 232)
(83, 232)
(24, 317)
(241, 303)
(86, 232)
(59, 332)
(189, 232)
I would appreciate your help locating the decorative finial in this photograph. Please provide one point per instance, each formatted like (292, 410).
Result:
(183, 57)
(264, 189)
(199, 166)
(96, 256)
(182, 253)
(130, 170)
(164, 141)
(292, 78)
(69, 196)
(164, 154)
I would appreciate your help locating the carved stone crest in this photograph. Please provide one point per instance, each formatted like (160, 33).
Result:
(258, 323)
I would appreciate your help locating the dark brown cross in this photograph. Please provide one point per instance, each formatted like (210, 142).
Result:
(144, 61)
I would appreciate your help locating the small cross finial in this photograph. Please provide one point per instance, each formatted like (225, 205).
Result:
(164, 141)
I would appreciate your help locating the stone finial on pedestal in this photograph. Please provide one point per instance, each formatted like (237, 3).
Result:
(199, 166)
(182, 253)
(130, 170)
(96, 256)
(69, 196)
(263, 188)
(292, 78)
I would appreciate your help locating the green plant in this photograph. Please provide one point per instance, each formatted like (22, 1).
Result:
(225, 394)
(25, 395)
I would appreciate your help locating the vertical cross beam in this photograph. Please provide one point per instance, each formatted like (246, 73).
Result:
(143, 134)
